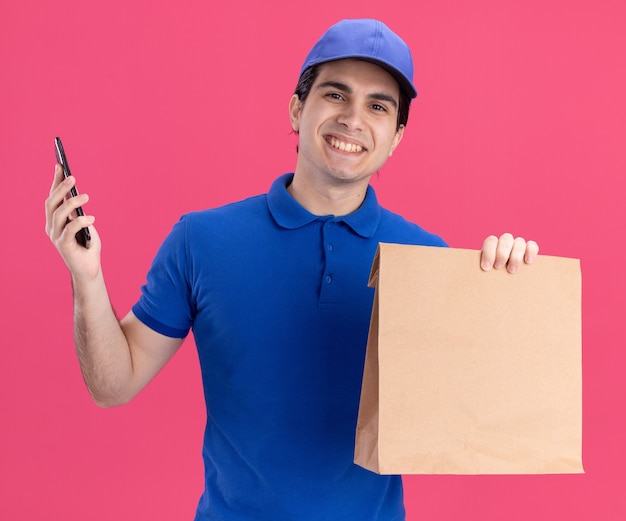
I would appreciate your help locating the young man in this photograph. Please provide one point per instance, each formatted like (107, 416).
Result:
(275, 289)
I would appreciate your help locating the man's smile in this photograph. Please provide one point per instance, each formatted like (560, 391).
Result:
(344, 146)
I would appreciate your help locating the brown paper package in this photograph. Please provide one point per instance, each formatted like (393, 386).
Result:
(471, 372)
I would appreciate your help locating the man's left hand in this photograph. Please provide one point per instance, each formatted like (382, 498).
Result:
(507, 251)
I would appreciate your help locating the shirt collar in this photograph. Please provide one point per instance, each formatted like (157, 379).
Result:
(288, 213)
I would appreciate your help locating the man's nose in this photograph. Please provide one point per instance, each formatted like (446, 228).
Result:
(351, 117)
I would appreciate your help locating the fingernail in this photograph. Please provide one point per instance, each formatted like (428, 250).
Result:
(512, 269)
(485, 266)
(497, 265)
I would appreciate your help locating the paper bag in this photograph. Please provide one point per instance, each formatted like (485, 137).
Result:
(471, 372)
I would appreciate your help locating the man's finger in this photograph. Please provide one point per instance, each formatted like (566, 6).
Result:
(488, 253)
(532, 250)
(516, 256)
(503, 250)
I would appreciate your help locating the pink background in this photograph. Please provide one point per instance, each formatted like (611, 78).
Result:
(520, 125)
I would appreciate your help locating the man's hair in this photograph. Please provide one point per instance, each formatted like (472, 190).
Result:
(307, 78)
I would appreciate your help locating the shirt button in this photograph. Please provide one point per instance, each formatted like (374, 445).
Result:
(329, 279)
(329, 247)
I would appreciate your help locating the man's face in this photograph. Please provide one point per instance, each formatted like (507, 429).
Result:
(347, 125)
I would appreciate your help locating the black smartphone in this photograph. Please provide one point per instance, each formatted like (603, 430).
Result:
(83, 236)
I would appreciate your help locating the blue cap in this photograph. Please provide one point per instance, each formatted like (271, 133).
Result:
(369, 40)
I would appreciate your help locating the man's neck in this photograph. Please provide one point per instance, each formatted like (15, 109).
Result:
(323, 199)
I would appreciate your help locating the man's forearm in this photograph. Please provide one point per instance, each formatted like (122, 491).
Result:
(102, 348)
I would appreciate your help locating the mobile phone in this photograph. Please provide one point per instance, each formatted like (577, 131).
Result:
(83, 236)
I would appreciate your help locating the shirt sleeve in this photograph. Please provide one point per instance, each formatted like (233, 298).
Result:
(166, 304)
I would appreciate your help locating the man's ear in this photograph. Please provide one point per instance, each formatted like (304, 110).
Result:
(295, 109)
(396, 139)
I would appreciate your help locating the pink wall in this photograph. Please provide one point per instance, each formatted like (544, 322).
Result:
(520, 125)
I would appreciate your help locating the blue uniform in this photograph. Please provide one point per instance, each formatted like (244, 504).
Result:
(278, 302)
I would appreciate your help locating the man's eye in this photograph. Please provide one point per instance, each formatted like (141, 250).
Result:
(378, 107)
(335, 95)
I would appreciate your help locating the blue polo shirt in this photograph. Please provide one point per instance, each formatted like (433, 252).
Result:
(278, 302)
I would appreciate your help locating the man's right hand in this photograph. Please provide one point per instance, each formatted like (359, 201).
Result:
(62, 224)
(117, 359)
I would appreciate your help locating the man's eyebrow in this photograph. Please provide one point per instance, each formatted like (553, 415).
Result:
(335, 85)
(380, 96)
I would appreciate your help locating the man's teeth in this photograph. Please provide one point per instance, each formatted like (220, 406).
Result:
(346, 147)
